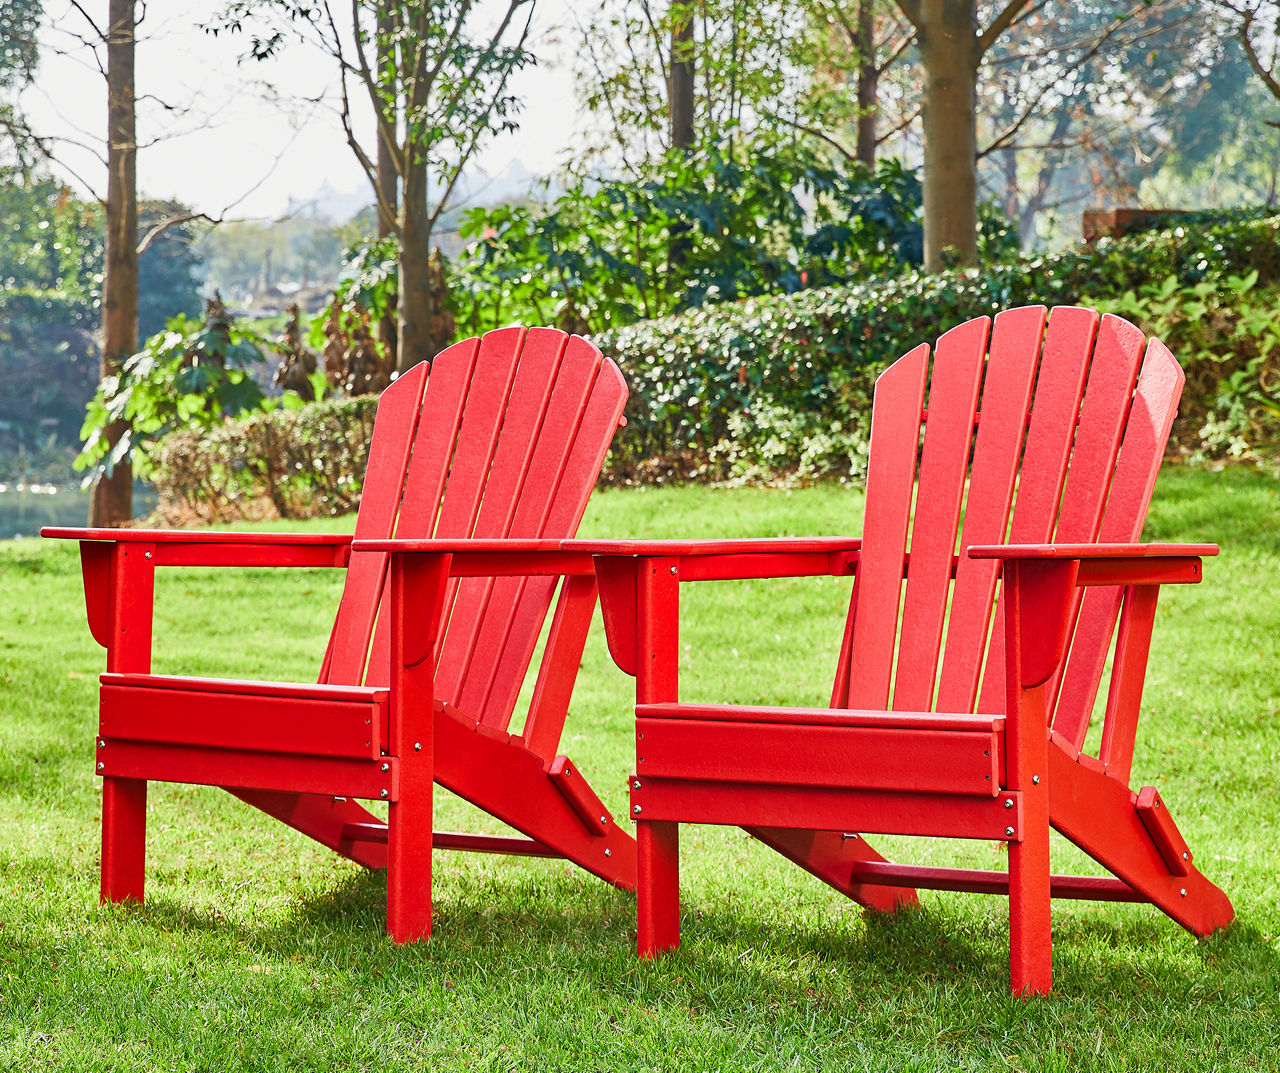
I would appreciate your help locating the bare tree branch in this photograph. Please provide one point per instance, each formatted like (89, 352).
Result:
(998, 25)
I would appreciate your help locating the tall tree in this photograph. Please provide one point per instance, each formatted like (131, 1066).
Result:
(437, 87)
(112, 502)
(951, 45)
(1257, 27)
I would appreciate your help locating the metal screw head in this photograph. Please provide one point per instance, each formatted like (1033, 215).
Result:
(417, 746)
(102, 743)
(636, 810)
(102, 767)
(635, 784)
(1008, 832)
(673, 569)
(386, 766)
(1035, 780)
(1008, 802)
(1186, 856)
(1183, 892)
(147, 555)
(383, 793)
(608, 853)
(604, 819)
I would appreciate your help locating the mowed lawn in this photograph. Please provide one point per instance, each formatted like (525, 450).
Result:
(258, 950)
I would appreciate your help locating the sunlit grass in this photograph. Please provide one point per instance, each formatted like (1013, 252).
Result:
(257, 950)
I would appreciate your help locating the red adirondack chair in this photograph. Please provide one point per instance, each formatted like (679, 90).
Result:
(492, 456)
(947, 736)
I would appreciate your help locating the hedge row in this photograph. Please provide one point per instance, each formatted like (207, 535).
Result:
(782, 384)
(762, 388)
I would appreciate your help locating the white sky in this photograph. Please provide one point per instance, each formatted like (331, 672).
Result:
(234, 153)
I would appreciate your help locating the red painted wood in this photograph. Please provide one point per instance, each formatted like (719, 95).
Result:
(1124, 699)
(877, 758)
(577, 470)
(1006, 397)
(1164, 833)
(834, 717)
(982, 881)
(221, 719)
(459, 465)
(839, 860)
(687, 549)
(657, 887)
(453, 840)
(1099, 814)
(825, 808)
(397, 420)
(125, 760)
(418, 585)
(1037, 602)
(801, 780)
(1064, 363)
(1151, 417)
(895, 425)
(944, 459)
(558, 671)
(578, 793)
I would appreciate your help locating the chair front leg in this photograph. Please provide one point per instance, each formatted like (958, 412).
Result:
(1037, 609)
(418, 585)
(657, 887)
(120, 592)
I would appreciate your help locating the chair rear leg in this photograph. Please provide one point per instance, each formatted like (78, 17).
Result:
(657, 887)
(124, 839)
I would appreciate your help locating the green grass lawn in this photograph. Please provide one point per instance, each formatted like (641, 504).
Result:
(258, 950)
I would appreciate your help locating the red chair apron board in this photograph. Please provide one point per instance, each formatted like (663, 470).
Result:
(491, 457)
(975, 644)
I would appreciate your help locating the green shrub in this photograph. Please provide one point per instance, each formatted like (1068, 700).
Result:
(292, 463)
(815, 355)
(780, 387)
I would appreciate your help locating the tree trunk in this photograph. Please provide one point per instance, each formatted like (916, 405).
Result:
(868, 83)
(387, 191)
(112, 501)
(415, 310)
(681, 100)
(949, 53)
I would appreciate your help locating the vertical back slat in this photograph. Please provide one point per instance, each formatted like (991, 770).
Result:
(1155, 404)
(944, 459)
(1113, 372)
(598, 421)
(393, 433)
(522, 423)
(1064, 365)
(519, 605)
(432, 451)
(891, 471)
(1006, 396)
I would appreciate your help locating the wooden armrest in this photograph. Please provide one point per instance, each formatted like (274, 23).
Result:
(726, 560)
(1110, 564)
(490, 557)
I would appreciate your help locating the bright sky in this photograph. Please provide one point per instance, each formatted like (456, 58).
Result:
(229, 150)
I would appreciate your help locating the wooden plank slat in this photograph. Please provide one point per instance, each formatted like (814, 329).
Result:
(393, 433)
(317, 726)
(1155, 404)
(944, 460)
(588, 429)
(868, 647)
(1064, 365)
(793, 754)
(1006, 397)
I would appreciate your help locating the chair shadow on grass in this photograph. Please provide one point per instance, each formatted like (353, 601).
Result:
(483, 922)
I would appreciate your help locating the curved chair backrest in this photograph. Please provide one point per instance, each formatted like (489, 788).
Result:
(503, 437)
(1041, 428)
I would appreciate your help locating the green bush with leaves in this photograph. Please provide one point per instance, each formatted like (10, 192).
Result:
(191, 375)
(782, 385)
(294, 463)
